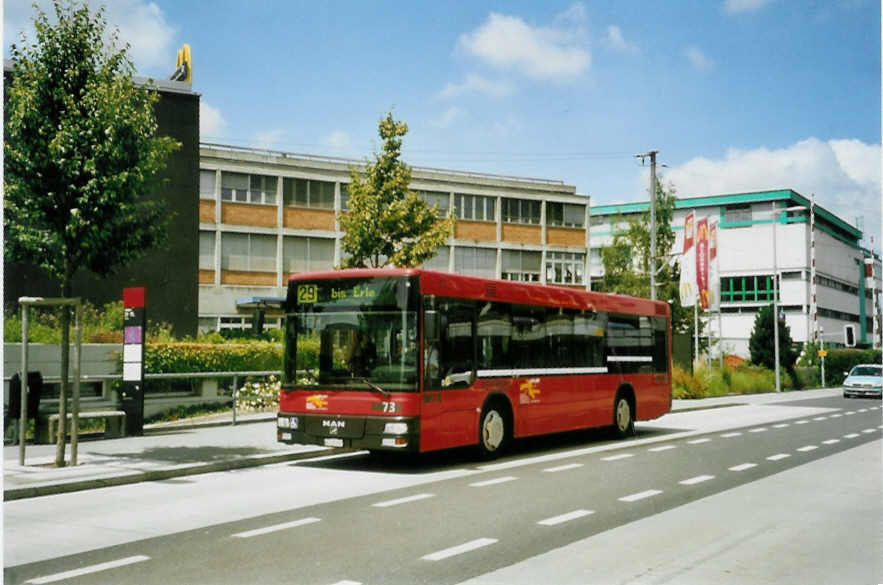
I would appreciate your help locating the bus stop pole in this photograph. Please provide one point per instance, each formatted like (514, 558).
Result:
(23, 416)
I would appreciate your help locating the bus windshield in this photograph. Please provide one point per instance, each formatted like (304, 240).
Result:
(355, 334)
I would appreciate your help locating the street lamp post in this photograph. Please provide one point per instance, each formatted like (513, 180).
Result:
(776, 301)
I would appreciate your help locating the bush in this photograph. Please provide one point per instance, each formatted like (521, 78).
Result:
(839, 361)
(744, 379)
(259, 395)
(162, 358)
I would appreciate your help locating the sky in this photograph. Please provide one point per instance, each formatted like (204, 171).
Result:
(736, 95)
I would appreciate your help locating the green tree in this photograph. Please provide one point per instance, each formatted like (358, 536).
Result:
(762, 344)
(627, 260)
(386, 223)
(80, 154)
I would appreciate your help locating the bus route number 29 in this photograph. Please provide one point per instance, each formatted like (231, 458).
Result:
(307, 293)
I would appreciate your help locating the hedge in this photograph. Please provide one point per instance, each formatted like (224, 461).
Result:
(839, 361)
(175, 358)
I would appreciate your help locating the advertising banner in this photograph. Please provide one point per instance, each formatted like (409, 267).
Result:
(688, 263)
(714, 280)
(702, 261)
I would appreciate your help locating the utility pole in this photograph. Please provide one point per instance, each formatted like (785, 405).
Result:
(652, 154)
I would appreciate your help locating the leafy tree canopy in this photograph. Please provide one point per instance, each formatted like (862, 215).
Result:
(762, 344)
(386, 223)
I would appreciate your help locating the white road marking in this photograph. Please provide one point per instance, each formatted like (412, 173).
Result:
(276, 528)
(863, 410)
(850, 436)
(730, 435)
(494, 481)
(458, 550)
(821, 418)
(563, 468)
(801, 422)
(778, 457)
(565, 517)
(698, 479)
(617, 457)
(640, 496)
(405, 500)
(781, 426)
(850, 413)
(836, 415)
(698, 441)
(663, 448)
(743, 466)
(760, 430)
(808, 448)
(348, 583)
(830, 441)
(869, 431)
(89, 570)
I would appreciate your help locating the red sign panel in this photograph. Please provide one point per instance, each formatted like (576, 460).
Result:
(702, 261)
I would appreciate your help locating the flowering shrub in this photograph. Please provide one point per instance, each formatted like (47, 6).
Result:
(259, 395)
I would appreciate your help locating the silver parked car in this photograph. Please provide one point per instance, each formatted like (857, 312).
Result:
(864, 380)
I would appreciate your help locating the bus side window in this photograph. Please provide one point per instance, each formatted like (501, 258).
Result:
(449, 359)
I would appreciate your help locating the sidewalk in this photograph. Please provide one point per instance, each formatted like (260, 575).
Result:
(178, 449)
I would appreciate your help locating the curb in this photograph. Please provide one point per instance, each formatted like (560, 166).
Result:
(161, 474)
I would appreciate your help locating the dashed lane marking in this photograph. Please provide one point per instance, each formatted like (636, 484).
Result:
(781, 426)
(618, 457)
(802, 422)
(404, 500)
(640, 496)
(850, 413)
(555, 520)
(494, 481)
(808, 448)
(663, 448)
(743, 466)
(760, 430)
(866, 431)
(730, 435)
(89, 570)
(698, 441)
(821, 418)
(697, 479)
(830, 441)
(836, 415)
(563, 468)
(276, 527)
(850, 436)
(778, 457)
(348, 583)
(459, 549)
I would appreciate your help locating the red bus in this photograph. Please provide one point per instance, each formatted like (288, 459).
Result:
(417, 360)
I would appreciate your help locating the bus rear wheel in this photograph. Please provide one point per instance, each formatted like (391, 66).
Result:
(493, 431)
(623, 416)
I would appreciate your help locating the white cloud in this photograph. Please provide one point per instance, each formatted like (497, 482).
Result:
(268, 138)
(339, 140)
(845, 176)
(448, 117)
(211, 123)
(509, 43)
(740, 6)
(141, 24)
(698, 59)
(617, 42)
(477, 84)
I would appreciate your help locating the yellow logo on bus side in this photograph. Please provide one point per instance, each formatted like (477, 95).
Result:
(530, 391)
(317, 402)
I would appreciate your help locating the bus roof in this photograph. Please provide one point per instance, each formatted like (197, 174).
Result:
(446, 284)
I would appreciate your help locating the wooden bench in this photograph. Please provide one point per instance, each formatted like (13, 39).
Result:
(114, 424)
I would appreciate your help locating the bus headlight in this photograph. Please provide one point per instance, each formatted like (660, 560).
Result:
(285, 422)
(395, 428)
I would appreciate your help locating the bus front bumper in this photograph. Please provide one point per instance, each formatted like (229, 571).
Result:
(355, 432)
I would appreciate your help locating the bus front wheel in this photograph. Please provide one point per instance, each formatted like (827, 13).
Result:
(623, 416)
(493, 431)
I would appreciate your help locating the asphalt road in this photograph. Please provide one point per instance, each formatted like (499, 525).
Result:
(442, 519)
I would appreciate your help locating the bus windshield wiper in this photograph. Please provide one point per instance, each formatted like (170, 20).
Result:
(374, 386)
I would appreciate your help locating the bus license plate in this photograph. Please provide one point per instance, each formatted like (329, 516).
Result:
(334, 442)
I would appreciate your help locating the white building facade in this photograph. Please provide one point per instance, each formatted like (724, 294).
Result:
(745, 249)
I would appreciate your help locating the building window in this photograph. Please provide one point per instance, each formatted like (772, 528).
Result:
(440, 261)
(565, 214)
(243, 188)
(308, 193)
(443, 200)
(476, 261)
(565, 268)
(747, 289)
(598, 220)
(475, 207)
(344, 195)
(521, 265)
(520, 211)
(207, 181)
(300, 254)
(248, 252)
(737, 213)
(206, 250)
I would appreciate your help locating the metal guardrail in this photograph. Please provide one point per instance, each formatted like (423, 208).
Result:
(176, 375)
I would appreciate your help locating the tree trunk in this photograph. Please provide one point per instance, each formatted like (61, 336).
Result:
(61, 438)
